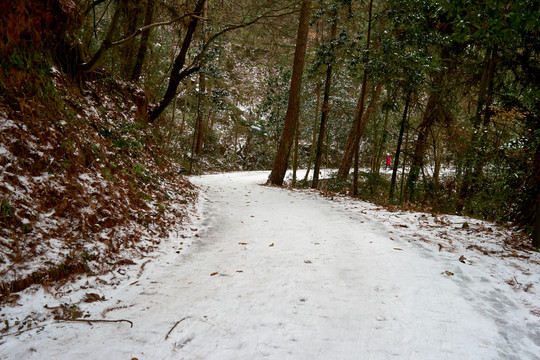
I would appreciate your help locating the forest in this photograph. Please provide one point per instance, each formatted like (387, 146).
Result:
(450, 91)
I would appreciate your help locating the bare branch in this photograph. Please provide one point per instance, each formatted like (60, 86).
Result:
(176, 324)
(90, 321)
(238, 26)
(147, 27)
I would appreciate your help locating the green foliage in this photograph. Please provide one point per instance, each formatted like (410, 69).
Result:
(6, 211)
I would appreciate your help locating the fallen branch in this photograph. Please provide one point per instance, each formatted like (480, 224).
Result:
(175, 325)
(90, 321)
(23, 331)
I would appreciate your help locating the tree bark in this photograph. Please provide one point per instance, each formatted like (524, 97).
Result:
(325, 112)
(314, 137)
(177, 74)
(383, 140)
(429, 118)
(354, 136)
(202, 96)
(295, 154)
(293, 110)
(360, 132)
(536, 231)
(98, 57)
(398, 150)
(143, 46)
(474, 164)
(131, 16)
(322, 127)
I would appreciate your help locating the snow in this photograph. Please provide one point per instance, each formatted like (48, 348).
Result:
(264, 272)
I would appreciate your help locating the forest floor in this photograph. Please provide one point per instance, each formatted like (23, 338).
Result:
(265, 272)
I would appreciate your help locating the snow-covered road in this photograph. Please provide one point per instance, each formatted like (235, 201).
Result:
(275, 274)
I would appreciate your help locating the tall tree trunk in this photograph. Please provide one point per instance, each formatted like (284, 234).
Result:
(437, 160)
(354, 136)
(360, 131)
(398, 150)
(322, 127)
(384, 137)
(295, 154)
(99, 56)
(143, 46)
(177, 75)
(130, 22)
(475, 161)
(202, 94)
(536, 231)
(199, 123)
(314, 137)
(431, 115)
(293, 110)
(325, 111)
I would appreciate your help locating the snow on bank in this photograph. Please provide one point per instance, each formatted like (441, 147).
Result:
(274, 274)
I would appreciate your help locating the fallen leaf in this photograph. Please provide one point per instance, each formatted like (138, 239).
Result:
(397, 249)
(449, 273)
(213, 274)
(462, 259)
(307, 261)
(93, 297)
(239, 271)
(272, 244)
(242, 243)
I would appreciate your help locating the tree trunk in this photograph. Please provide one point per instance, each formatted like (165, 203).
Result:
(536, 231)
(360, 132)
(325, 111)
(202, 95)
(354, 136)
(382, 143)
(99, 56)
(177, 75)
(398, 150)
(295, 154)
(475, 161)
(431, 115)
(293, 110)
(314, 138)
(199, 124)
(130, 22)
(322, 127)
(143, 46)
(437, 160)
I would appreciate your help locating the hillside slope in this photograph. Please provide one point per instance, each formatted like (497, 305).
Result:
(84, 183)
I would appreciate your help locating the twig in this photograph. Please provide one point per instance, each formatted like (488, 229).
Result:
(176, 324)
(90, 321)
(23, 331)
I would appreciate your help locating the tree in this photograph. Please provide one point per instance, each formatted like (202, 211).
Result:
(398, 149)
(325, 105)
(143, 46)
(293, 110)
(355, 134)
(178, 72)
